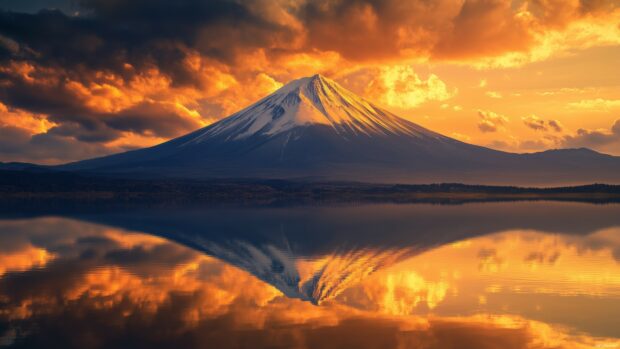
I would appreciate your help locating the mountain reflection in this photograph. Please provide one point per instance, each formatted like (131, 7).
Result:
(385, 276)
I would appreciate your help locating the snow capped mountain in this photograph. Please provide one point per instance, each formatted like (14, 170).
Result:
(313, 128)
(314, 100)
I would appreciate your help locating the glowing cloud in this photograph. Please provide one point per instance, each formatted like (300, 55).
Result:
(400, 87)
(490, 121)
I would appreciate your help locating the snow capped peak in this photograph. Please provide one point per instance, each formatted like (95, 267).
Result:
(313, 100)
(307, 82)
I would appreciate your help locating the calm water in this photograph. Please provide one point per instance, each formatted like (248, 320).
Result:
(492, 275)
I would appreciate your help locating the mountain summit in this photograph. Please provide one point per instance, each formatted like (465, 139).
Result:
(313, 128)
(314, 100)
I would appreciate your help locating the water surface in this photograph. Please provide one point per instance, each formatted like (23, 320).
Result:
(486, 275)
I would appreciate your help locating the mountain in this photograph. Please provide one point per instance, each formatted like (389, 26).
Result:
(312, 128)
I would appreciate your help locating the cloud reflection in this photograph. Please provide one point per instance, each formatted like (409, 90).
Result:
(108, 287)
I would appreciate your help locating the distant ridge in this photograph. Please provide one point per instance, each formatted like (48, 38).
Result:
(314, 129)
(42, 188)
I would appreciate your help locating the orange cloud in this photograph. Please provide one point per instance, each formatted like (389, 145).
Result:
(604, 138)
(535, 123)
(28, 258)
(400, 87)
(490, 121)
(598, 104)
(34, 123)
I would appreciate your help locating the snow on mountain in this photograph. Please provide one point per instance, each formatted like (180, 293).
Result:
(314, 100)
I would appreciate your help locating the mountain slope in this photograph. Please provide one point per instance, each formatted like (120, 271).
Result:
(313, 128)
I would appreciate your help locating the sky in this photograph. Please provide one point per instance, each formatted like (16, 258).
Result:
(85, 78)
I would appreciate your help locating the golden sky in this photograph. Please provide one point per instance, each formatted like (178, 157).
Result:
(85, 78)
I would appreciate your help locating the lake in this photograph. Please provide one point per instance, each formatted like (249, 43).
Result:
(482, 275)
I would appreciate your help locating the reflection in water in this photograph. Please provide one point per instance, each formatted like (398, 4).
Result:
(385, 277)
(315, 280)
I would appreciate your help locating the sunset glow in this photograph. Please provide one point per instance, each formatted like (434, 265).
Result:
(93, 77)
(392, 174)
(423, 301)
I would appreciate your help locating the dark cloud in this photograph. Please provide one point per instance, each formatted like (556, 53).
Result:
(142, 33)
(555, 125)
(593, 138)
(60, 65)
(13, 139)
(150, 118)
(538, 124)
(41, 92)
(46, 146)
(17, 144)
(615, 128)
(109, 34)
(97, 132)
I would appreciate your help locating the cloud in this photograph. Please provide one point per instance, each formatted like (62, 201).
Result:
(555, 125)
(486, 32)
(550, 134)
(35, 123)
(162, 119)
(535, 123)
(598, 104)
(446, 106)
(18, 144)
(490, 121)
(494, 94)
(12, 139)
(595, 139)
(514, 144)
(484, 28)
(401, 87)
(142, 33)
(538, 124)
